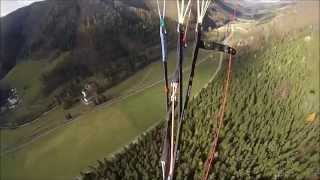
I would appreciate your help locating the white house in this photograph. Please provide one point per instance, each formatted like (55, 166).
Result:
(86, 99)
(13, 99)
(89, 93)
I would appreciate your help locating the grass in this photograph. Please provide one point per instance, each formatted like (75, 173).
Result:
(26, 77)
(106, 128)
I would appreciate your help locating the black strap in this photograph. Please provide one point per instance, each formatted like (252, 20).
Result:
(185, 105)
(203, 45)
(217, 47)
(166, 84)
(193, 66)
(181, 45)
(178, 77)
(166, 132)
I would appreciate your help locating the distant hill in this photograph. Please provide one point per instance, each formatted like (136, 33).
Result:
(44, 29)
(112, 27)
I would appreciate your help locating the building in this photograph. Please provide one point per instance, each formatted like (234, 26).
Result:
(89, 93)
(9, 100)
(13, 99)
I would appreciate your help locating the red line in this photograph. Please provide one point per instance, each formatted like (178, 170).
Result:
(216, 131)
(210, 161)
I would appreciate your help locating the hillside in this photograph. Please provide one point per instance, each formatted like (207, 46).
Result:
(74, 45)
(269, 131)
(50, 27)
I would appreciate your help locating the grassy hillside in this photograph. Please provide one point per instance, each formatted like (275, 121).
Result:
(26, 78)
(267, 133)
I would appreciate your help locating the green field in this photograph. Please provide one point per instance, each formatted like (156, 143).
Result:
(26, 77)
(68, 149)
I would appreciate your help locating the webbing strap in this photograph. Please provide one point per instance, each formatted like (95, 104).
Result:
(185, 105)
(163, 39)
(217, 47)
(165, 158)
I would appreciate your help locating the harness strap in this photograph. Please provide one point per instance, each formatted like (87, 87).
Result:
(217, 47)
